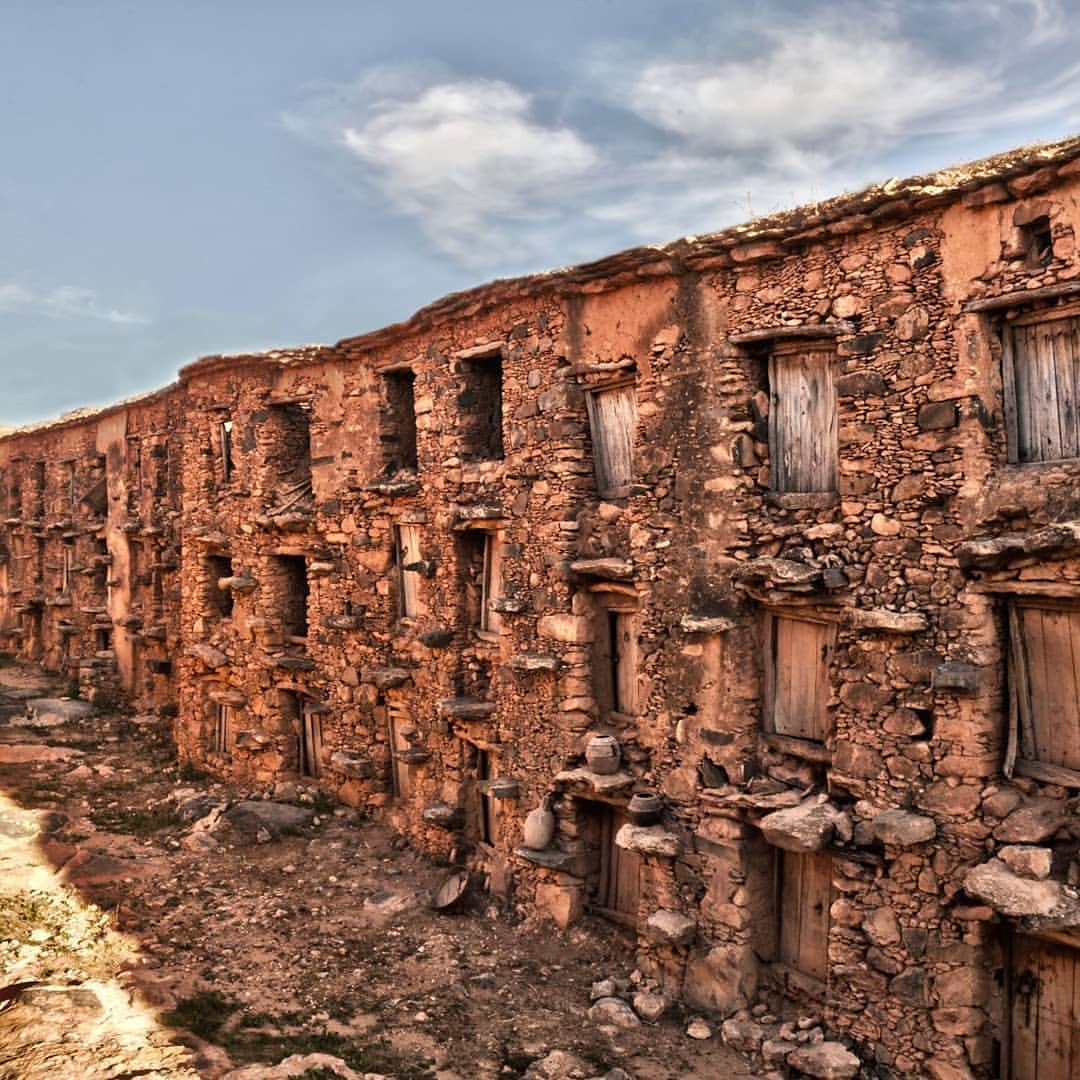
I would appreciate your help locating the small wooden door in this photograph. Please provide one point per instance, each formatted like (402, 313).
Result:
(612, 421)
(802, 418)
(311, 742)
(620, 871)
(1044, 1010)
(804, 897)
(798, 677)
(408, 554)
(398, 717)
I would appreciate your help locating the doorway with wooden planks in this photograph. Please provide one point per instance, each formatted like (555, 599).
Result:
(614, 881)
(1044, 1009)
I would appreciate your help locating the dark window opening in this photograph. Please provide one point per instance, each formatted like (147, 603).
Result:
(219, 600)
(290, 452)
(293, 600)
(1038, 243)
(484, 773)
(479, 407)
(103, 639)
(37, 483)
(225, 448)
(397, 432)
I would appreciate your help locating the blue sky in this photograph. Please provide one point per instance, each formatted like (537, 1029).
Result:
(182, 178)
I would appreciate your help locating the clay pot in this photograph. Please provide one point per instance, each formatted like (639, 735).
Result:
(645, 807)
(539, 828)
(602, 755)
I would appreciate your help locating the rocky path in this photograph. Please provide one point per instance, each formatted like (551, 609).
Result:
(161, 926)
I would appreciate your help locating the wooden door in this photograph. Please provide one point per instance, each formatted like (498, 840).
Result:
(804, 897)
(802, 418)
(1042, 388)
(408, 554)
(311, 743)
(612, 420)
(798, 677)
(620, 871)
(1044, 1010)
(624, 646)
(398, 717)
(1045, 677)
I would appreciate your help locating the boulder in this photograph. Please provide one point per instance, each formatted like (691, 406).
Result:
(995, 884)
(614, 1011)
(670, 928)
(810, 826)
(51, 712)
(650, 1007)
(1027, 861)
(253, 817)
(1036, 820)
(826, 1061)
(902, 828)
(742, 1035)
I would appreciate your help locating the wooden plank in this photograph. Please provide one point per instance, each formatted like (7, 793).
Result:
(408, 551)
(398, 717)
(817, 900)
(1055, 1006)
(789, 907)
(1023, 1010)
(1022, 682)
(612, 420)
(625, 647)
(1066, 388)
(775, 425)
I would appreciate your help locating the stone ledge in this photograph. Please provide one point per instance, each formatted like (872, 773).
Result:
(886, 621)
(535, 662)
(594, 782)
(649, 840)
(611, 569)
(995, 553)
(549, 858)
(464, 708)
(706, 624)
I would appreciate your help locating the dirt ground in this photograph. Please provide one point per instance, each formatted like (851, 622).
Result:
(142, 936)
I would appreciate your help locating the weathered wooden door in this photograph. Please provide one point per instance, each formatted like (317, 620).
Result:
(398, 717)
(408, 554)
(620, 871)
(1044, 1008)
(311, 742)
(612, 420)
(804, 897)
(1045, 681)
(1042, 387)
(802, 418)
(798, 677)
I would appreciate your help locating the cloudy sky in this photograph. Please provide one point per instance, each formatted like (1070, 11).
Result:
(181, 177)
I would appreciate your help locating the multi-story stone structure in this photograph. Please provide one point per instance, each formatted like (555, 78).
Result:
(787, 515)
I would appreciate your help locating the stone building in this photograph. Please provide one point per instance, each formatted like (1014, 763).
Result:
(754, 558)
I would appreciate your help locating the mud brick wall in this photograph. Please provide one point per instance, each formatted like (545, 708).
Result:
(392, 568)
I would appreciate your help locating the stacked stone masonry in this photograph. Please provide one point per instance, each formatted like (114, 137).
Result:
(750, 564)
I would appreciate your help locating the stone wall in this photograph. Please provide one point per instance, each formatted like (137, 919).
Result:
(388, 568)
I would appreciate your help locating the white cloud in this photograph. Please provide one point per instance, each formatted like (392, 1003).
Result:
(64, 302)
(464, 157)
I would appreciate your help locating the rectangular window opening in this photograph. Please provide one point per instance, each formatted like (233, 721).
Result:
(293, 600)
(803, 447)
(613, 423)
(398, 421)
(479, 408)
(291, 452)
(218, 600)
(480, 568)
(1038, 243)
(225, 449)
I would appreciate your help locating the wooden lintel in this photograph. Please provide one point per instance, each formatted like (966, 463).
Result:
(1022, 296)
(775, 333)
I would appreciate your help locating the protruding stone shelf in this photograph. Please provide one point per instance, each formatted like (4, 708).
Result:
(386, 678)
(424, 567)
(156, 632)
(291, 663)
(901, 828)
(443, 816)
(534, 662)
(666, 927)
(1052, 542)
(783, 575)
(549, 858)
(321, 568)
(649, 840)
(777, 333)
(437, 639)
(236, 698)
(353, 766)
(414, 755)
(886, 621)
(706, 624)
(477, 517)
(392, 489)
(509, 605)
(253, 740)
(612, 784)
(465, 708)
(342, 622)
(501, 787)
(957, 678)
(610, 569)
